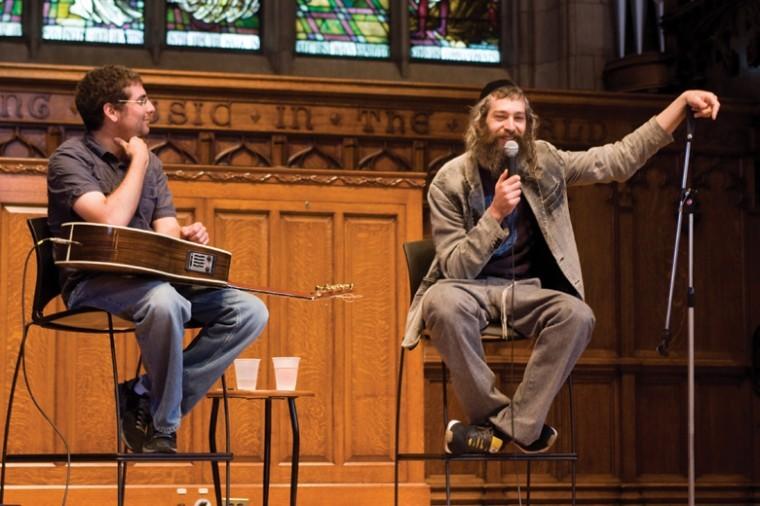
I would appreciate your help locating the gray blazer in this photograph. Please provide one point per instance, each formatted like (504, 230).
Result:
(465, 235)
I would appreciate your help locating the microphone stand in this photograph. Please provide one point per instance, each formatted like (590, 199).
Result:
(686, 203)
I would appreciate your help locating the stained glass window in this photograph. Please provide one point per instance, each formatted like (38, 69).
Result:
(98, 21)
(213, 24)
(455, 30)
(10, 17)
(353, 28)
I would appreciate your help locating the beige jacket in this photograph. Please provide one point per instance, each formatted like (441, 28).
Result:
(465, 235)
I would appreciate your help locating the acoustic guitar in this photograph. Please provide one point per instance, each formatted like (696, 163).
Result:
(110, 248)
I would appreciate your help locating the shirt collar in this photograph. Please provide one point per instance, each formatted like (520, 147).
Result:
(99, 150)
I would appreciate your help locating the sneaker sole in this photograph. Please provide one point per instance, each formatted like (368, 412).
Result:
(130, 447)
(154, 452)
(526, 449)
(449, 437)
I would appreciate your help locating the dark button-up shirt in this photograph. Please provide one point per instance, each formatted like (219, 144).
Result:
(81, 165)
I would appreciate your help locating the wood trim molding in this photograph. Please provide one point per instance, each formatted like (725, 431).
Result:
(225, 174)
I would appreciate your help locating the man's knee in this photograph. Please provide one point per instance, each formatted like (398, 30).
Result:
(252, 308)
(447, 304)
(164, 302)
(582, 318)
(249, 315)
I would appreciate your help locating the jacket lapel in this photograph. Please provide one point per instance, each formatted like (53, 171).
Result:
(474, 192)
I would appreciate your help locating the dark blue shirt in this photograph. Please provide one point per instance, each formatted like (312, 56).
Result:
(513, 257)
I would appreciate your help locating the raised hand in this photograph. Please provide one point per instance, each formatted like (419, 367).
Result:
(704, 104)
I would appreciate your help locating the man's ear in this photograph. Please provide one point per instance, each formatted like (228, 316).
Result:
(111, 112)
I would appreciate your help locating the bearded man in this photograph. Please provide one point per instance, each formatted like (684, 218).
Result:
(505, 249)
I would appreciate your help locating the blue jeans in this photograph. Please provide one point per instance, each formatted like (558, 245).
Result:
(177, 378)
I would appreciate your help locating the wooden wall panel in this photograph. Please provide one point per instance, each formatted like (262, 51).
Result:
(306, 245)
(595, 224)
(597, 414)
(284, 237)
(244, 230)
(41, 346)
(724, 423)
(719, 241)
(653, 200)
(660, 409)
(370, 358)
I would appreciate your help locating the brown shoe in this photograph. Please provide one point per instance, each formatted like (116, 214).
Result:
(160, 442)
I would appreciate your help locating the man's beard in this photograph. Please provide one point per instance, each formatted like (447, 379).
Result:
(491, 155)
(489, 151)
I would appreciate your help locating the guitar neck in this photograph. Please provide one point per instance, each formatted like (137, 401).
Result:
(321, 292)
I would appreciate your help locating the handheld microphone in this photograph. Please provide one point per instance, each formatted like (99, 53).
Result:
(511, 148)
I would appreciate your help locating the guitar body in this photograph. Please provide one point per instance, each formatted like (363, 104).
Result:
(109, 248)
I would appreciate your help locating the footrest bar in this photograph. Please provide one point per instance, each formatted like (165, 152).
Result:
(490, 456)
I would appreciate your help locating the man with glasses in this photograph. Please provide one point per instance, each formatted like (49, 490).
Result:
(110, 176)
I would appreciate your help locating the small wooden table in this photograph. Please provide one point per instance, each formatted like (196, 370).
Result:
(267, 396)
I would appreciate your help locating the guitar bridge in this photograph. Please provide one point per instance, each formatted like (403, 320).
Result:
(200, 262)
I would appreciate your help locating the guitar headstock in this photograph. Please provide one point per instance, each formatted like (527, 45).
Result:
(332, 290)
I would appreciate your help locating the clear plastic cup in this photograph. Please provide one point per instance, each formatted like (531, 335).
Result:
(246, 373)
(285, 372)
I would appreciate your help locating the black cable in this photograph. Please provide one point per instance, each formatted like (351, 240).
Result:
(26, 378)
(512, 374)
(508, 321)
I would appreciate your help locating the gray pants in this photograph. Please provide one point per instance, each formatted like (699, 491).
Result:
(455, 311)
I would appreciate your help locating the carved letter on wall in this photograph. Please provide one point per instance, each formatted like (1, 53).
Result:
(366, 116)
(198, 110)
(5, 103)
(421, 123)
(296, 122)
(177, 115)
(221, 115)
(394, 119)
(39, 107)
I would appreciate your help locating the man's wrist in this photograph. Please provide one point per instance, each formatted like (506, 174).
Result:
(496, 215)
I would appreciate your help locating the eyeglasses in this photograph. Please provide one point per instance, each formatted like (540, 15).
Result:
(139, 101)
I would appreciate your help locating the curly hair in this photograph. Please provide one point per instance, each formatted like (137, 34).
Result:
(101, 86)
(477, 129)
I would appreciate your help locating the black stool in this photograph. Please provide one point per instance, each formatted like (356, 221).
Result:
(91, 321)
